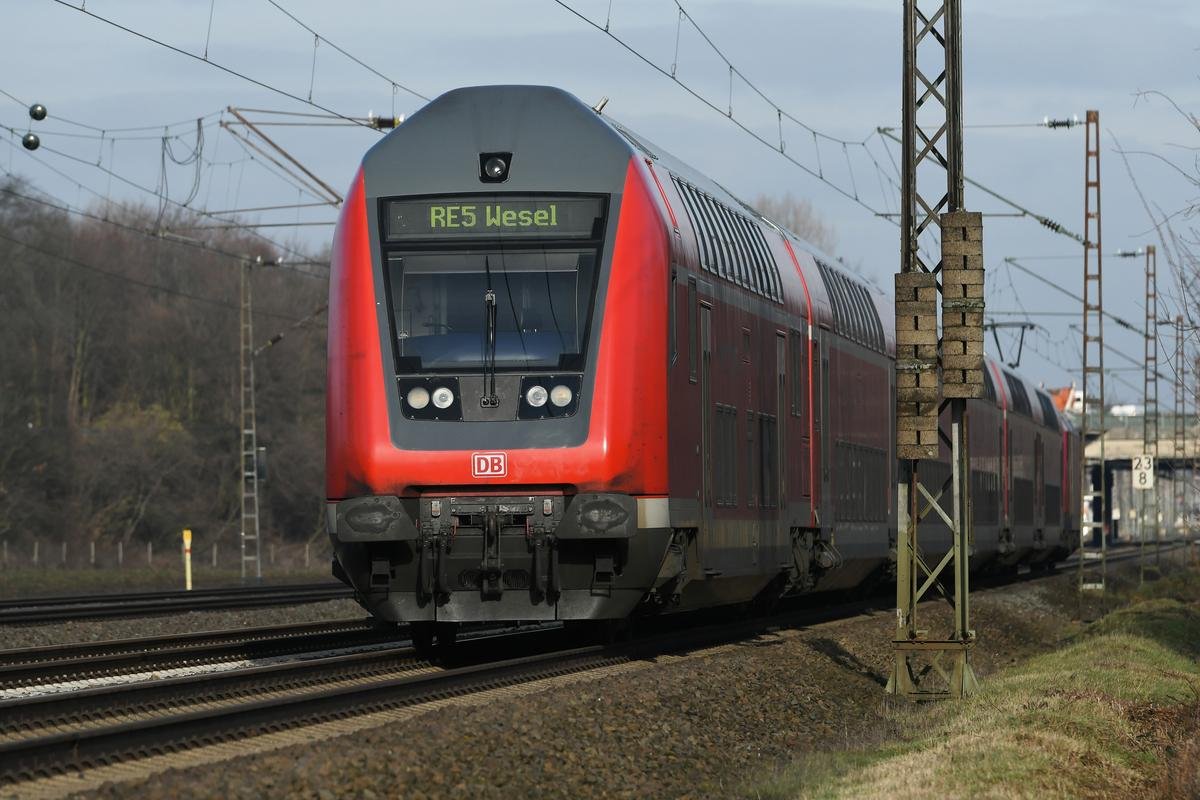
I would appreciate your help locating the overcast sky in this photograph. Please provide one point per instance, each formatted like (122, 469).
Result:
(832, 65)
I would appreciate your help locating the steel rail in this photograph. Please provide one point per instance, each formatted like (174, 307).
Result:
(187, 652)
(63, 709)
(70, 751)
(161, 594)
(195, 639)
(75, 750)
(59, 609)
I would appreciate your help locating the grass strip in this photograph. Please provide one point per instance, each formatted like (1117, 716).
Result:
(1113, 714)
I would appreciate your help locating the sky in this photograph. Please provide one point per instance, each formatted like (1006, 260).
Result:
(833, 66)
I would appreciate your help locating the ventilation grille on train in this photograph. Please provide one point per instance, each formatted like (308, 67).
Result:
(732, 245)
(854, 313)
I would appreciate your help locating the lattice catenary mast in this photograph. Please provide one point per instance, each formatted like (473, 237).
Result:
(1093, 562)
(250, 538)
(932, 195)
(1149, 497)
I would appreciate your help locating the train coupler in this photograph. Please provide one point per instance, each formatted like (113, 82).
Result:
(381, 576)
(604, 572)
(491, 565)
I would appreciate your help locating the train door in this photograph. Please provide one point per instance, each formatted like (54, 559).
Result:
(1004, 472)
(782, 415)
(706, 422)
(1039, 483)
(780, 540)
(825, 438)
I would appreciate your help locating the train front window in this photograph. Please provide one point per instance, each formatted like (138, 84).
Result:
(441, 311)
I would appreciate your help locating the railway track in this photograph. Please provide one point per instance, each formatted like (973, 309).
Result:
(72, 607)
(74, 662)
(49, 735)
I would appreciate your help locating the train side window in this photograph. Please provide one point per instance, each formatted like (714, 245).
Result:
(1016, 390)
(1049, 413)
(693, 331)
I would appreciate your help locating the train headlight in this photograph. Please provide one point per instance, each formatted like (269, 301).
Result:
(418, 398)
(536, 396)
(561, 396)
(442, 397)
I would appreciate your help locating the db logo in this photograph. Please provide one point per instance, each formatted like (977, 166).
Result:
(489, 465)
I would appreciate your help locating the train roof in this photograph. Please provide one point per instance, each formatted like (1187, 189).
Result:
(559, 127)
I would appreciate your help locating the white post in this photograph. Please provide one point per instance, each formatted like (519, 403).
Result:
(306, 555)
(120, 553)
(214, 555)
(187, 559)
(92, 553)
(36, 542)
(149, 554)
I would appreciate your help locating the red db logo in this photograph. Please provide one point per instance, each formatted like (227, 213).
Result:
(489, 465)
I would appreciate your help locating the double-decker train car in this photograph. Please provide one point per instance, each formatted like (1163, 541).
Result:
(572, 378)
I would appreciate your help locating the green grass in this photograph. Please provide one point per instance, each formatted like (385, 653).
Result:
(1099, 718)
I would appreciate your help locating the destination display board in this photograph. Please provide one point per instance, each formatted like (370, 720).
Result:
(499, 216)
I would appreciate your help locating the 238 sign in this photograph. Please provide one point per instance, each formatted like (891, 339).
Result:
(1143, 472)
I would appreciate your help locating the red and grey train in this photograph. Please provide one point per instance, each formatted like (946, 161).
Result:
(571, 378)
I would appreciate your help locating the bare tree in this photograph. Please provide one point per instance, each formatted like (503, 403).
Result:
(798, 216)
(119, 416)
(1176, 229)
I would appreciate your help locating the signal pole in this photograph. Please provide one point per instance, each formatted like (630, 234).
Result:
(1093, 561)
(1149, 494)
(250, 533)
(932, 195)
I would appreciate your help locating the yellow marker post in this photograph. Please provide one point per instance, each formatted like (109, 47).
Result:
(187, 559)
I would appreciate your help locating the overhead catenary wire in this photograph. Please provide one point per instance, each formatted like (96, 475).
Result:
(154, 193)
(780, 148)
(228, 70)
(179, 240)
(1042, 219)
(107, 131)
(155, 287)
(781, 114)
(319, 37)
(1122, 322)
(106, 200)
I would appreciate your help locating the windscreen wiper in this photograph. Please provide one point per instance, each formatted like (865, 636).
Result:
(489, 399)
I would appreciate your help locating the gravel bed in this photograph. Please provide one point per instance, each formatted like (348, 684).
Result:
(94, 630)
(698, 727)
